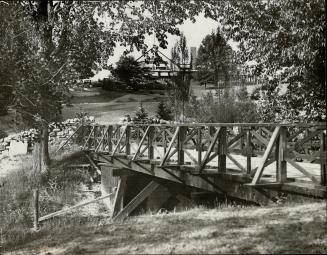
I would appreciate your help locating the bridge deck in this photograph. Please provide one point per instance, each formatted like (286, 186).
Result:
(227, 158)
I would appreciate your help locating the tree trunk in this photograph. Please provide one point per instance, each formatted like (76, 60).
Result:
(41, 159)
(45, 146)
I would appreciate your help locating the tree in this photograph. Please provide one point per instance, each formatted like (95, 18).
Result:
(214, 57)
(59, 41)
(129, 71)
(164, 111)
(179, 52)
(287, 41)
(181, 83)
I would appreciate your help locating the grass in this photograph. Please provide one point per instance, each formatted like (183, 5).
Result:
(16, 210)
(227, 228)
(297, 228)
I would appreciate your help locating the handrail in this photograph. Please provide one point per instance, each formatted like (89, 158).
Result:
(242, 124)
(246, 140)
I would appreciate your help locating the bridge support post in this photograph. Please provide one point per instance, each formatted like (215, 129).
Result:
(281, 170)
(127, 144)
(119, 196)
(109, 138)
(180, 143)
(222, 148)
(248, 151)
(108, 183)
(150, 143)
(199, 148)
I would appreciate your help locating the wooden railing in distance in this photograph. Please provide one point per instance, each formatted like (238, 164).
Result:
(217, 147)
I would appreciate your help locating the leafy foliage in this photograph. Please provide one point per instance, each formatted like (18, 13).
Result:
(215, 57)
(129, 71)
(49, 44)
(180, 52)
(286, 41)
(164, 111)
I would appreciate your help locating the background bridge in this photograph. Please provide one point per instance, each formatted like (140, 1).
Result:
(157, 166)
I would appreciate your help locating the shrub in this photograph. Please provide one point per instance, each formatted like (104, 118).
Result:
(164, 112)
(141, 114)
(222, 109)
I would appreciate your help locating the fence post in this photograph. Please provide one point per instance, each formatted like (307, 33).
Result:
(323, 171)
(36, 209)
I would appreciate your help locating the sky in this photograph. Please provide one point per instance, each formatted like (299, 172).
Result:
(194, 33)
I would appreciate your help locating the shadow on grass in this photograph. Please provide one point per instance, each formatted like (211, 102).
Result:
(238, 231)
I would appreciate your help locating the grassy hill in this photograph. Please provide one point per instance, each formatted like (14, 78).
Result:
(294, 228)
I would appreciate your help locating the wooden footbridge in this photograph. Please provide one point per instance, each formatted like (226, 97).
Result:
(160, 165)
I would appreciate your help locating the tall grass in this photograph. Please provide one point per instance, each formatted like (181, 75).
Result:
(58, 189)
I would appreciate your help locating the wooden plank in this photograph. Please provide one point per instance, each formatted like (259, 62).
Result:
(270, 145)
(212, 145)
(136, 201)
(262, 140)
(199, 147)
(302, 170)
(248, 152)
(157, 134)
(150, 143)
(119, 141)
(127, 141)
(68, 138)
(281, 170)
(64, 211)
(141, 143)
(119, 195)
(265, 185)
(93, 164)
(222, 150)
(236, 138)
(235, 162)
(304, 140)
(101, 140)
(180, 145)
(191, 135)
(170, 146)
(78, 165)
(309, 157)
(191, 157)
(292, 136)
(109, 137)
(119, 172)
(88, 138)
(266, 131)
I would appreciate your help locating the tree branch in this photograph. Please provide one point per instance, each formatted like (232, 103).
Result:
(53, 76)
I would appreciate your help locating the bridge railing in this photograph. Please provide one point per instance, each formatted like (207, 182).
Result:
(218, 148)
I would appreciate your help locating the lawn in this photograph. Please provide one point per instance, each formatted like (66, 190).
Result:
(111, 106)
(294, 228)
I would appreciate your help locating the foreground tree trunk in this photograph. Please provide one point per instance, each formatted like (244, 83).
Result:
(41, 159)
